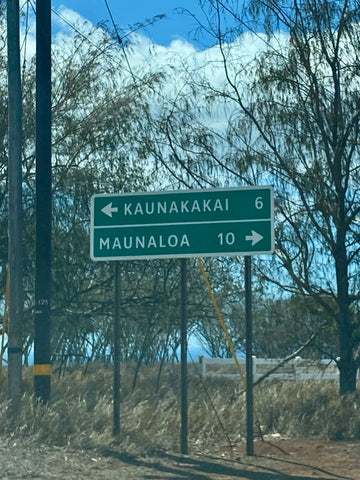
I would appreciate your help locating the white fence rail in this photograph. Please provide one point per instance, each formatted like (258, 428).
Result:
(296, 369)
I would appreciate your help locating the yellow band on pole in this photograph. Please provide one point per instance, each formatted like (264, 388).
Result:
(42, 370)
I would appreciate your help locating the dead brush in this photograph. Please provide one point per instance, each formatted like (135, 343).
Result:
(80, 413)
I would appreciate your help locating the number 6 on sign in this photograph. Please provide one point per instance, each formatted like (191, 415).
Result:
(259, 204)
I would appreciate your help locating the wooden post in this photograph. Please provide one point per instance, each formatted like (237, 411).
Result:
(42, 349)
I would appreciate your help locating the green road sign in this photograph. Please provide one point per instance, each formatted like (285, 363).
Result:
(182, 223)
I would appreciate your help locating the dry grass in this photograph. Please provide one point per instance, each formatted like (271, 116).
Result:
(80, 413)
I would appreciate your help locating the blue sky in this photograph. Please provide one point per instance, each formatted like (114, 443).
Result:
(163, 32)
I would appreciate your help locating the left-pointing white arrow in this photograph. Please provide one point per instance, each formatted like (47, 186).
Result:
(109, 209)
(254, 237)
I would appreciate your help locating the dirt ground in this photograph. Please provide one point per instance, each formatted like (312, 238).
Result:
(276, 459)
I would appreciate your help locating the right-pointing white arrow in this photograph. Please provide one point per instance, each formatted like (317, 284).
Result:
(254, 237)
(109, 209)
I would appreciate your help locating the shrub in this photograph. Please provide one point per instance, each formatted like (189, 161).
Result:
(80, 413)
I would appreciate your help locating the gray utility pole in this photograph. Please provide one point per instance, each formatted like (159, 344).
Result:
(42, 350)
(15, 221)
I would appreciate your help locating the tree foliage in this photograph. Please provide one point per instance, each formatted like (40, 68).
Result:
(291, 110)
(289, 93)
(96, 111)
(100, 117)
(295, 124)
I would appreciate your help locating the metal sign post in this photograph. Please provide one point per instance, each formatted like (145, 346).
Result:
(116, 410)
(184, 348)
(249, 361)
